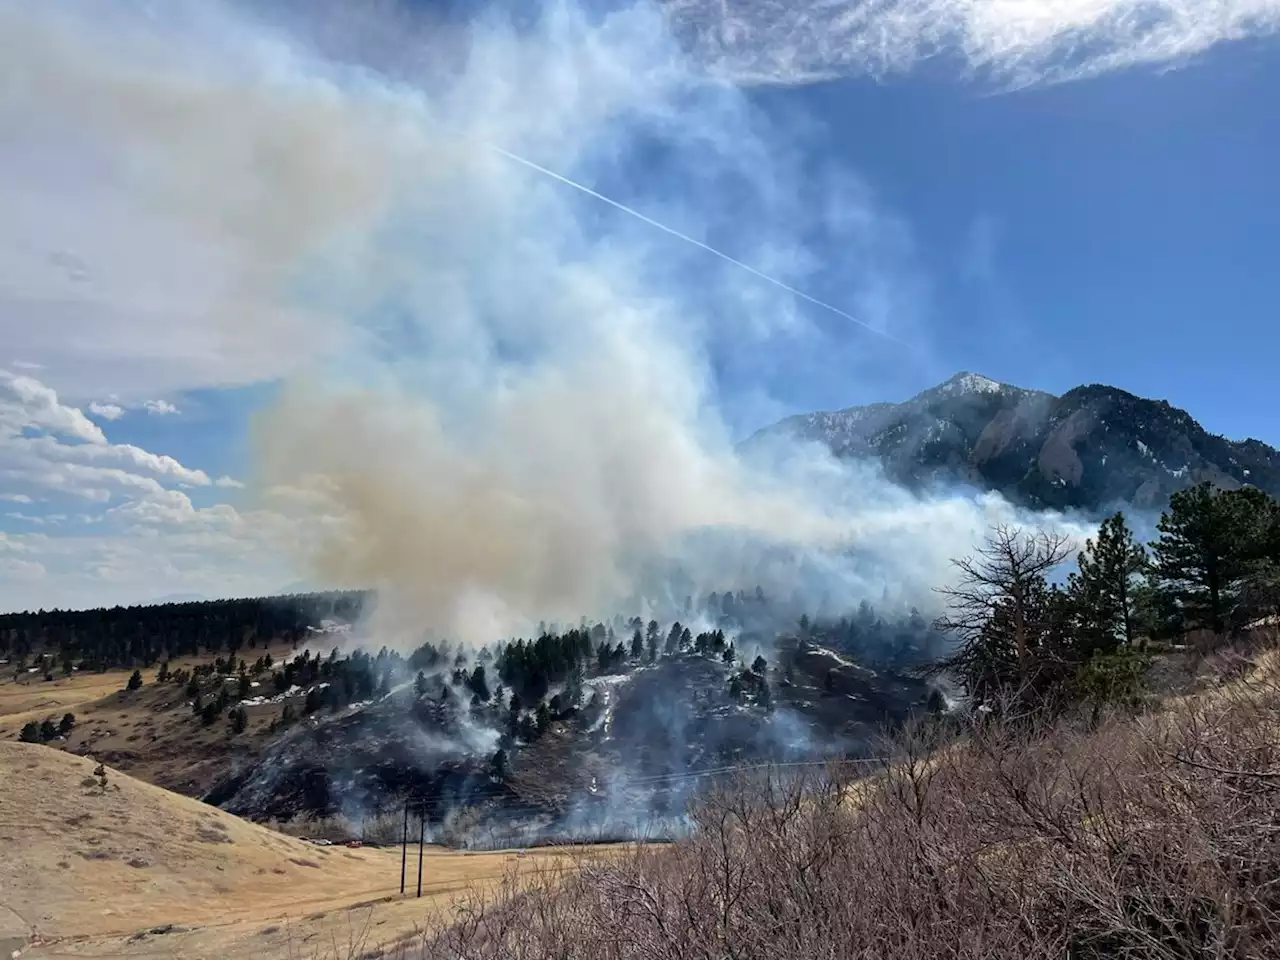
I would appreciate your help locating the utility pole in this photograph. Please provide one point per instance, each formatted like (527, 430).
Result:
(422, 834)
(404, 846)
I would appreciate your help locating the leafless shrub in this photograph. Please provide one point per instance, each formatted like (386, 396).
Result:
(1156, 837)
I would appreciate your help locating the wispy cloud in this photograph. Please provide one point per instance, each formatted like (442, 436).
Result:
(107, 411)
(1013, 41)
(159, 408)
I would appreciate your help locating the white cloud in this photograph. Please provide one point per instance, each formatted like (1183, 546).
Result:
(228, 483)
(159, 408)
(38, 407)
(1016, 41)
(150, 540)
(107, 411)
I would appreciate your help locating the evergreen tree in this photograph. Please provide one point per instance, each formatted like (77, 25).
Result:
(287, 715)
(1210, 544)
(1104, 589)
(500, 765)
(735, 688)
(242, 687)
(239, 720)
(420, 685)
(479, 684)
(68, 721)
(637, 645)
(30, 732)
(759, 665)
(135, 680)
(542, 718)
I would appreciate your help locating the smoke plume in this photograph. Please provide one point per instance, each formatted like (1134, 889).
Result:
(501, 403)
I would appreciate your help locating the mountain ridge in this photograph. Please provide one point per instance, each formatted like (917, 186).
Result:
(1089, 448)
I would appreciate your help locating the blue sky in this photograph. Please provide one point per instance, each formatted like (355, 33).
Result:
(286, 328)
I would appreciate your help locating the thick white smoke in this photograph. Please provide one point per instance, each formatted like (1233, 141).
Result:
(499, 406)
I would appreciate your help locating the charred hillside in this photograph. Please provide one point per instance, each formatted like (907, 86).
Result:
(1091, 448)
(573, 734)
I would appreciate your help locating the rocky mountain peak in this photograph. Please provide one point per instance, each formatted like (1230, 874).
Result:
(1093, 448)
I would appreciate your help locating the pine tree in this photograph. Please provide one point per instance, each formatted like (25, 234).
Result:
(479, 684)
(135, 680)
(68, 721)
(1104, 590)
(30, 732)
(500, 765)
(1210, 544)
(637, 645)
(735, 688)
(239, 720)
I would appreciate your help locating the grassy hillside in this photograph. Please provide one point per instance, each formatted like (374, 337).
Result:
(130, 869)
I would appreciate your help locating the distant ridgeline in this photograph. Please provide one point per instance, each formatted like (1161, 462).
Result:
(127, 636)
(105, 638)
(1093, 448)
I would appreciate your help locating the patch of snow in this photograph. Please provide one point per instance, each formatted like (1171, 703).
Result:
(973, 383)
(1180, 472)
(1145, 450)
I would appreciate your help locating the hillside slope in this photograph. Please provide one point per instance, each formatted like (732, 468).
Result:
(1093, 447)
(144, 871)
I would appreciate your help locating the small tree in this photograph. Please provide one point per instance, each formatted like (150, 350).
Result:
(1104, 589)
(239, 720)
(47, 730)
(479, 684)
(637, 645)
(243, 686)
(759, 665)
(287, 715)
(68, 721)
(1006, 619)
(30, 732)
(499, 765)
(135, 680)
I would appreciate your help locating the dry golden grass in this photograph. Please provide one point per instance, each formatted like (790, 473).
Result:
(36, 698)
(88, 872)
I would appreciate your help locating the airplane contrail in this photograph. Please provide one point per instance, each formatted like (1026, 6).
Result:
(688, 239)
